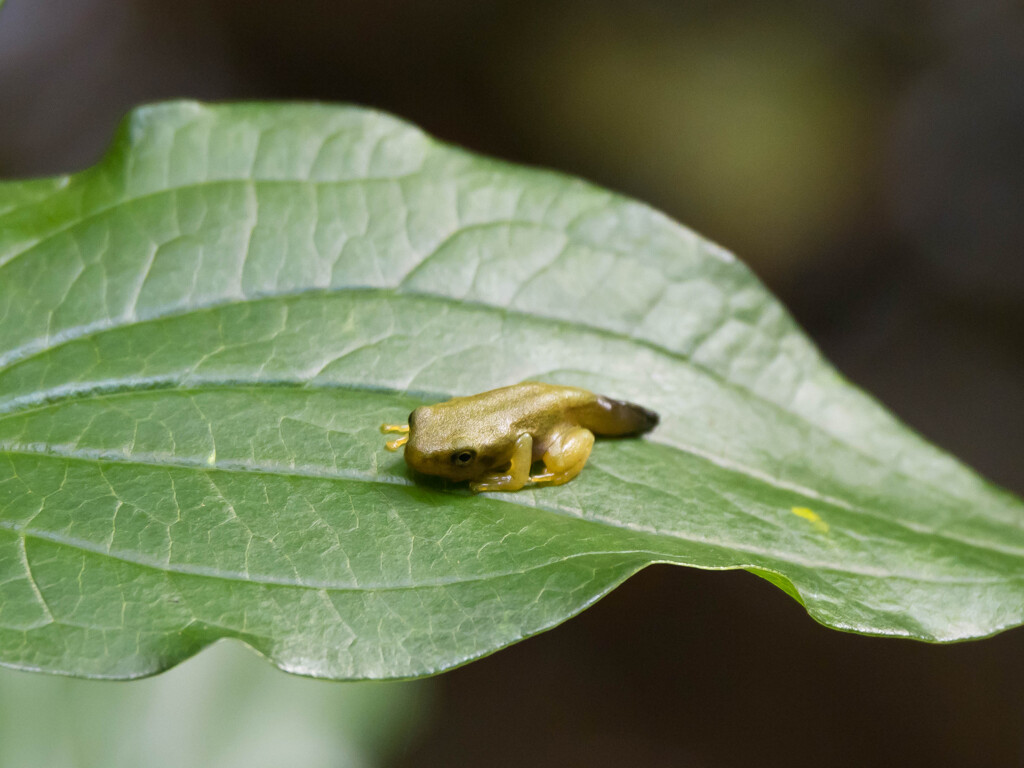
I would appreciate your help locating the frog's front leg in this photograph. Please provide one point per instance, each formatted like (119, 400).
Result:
(402, 429)
(518, 473)
(565, 456)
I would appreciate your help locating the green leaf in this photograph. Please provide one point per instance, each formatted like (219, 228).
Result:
(200, 336)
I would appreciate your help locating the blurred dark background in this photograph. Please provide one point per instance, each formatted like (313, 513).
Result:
(865, 157)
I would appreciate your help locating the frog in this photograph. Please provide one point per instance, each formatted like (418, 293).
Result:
(493, 439)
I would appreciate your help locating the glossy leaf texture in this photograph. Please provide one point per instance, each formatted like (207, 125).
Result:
(200, 336)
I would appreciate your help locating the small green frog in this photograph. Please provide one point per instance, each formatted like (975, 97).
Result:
(493, 438)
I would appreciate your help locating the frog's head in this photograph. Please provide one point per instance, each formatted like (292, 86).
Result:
(440, 442)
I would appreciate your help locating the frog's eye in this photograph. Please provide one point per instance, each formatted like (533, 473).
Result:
(463, 457)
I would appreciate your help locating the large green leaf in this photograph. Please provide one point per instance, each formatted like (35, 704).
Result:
(200, 336)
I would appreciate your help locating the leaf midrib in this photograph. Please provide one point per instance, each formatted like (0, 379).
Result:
(112, 457)
(106, 391)
(507, 311)
(211, 385)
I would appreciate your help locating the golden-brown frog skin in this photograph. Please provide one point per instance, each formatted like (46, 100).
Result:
(493, 438)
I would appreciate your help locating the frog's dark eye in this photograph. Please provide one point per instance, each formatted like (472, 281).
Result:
(463, 457)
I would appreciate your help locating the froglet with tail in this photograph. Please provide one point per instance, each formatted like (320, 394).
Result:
(492, 439)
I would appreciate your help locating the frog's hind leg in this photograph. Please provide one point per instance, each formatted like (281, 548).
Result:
(565, 456)
(518, 473)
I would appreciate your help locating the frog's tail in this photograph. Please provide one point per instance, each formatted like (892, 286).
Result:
(616, 418)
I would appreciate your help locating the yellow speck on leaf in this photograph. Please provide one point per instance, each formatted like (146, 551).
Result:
(811, 516)
(212, 458)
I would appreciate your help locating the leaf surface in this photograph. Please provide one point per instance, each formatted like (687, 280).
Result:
(200, 336)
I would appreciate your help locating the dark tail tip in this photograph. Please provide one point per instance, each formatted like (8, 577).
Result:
(620, 418)
(650, 418)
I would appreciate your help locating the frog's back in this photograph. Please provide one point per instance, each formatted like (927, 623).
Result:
(536, 407)
(529, 401)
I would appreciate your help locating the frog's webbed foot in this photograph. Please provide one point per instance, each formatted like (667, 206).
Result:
(565, 456)
(518, 473)
(394, 445)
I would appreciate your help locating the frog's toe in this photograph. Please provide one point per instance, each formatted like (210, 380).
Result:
(394, 445)
(496, 483)
(403, 429)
